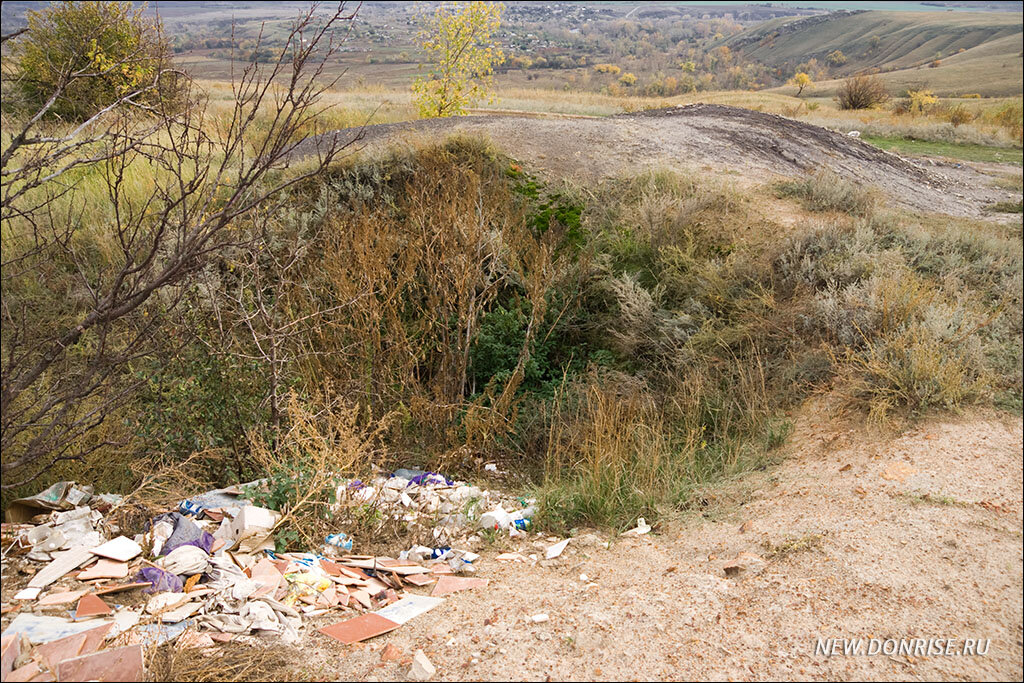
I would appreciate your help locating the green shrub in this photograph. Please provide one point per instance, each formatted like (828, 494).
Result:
(862, 92)
(92, 53)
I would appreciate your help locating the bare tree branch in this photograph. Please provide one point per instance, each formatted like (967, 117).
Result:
(63, 370)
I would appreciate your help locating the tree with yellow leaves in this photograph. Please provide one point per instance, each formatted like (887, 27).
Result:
(801, 81)
(457, 40)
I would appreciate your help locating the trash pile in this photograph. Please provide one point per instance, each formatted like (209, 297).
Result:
(207, 573)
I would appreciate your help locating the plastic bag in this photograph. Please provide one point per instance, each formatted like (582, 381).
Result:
(185, 532)
(162, 582)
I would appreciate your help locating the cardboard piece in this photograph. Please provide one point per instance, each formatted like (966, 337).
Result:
(121, 549)
(104, 569)
(359, 628)
(250, 530)
(409, 607)
(63, 495)
(453, 584)
(91, 606)
(120, 664)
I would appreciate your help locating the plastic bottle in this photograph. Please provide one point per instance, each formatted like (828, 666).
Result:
(496, 519)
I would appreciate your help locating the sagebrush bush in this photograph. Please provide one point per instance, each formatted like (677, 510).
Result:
(826, 191)
(915, 370)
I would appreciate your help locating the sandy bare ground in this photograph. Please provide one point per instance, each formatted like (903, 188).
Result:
(914, 535)
(700, 138)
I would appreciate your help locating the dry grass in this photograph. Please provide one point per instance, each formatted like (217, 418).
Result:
(229, 662)
(825, 191)
(792, 546)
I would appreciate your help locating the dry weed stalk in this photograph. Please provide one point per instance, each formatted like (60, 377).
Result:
(314, 456)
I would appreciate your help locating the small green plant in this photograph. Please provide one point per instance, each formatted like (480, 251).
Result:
(793, 545)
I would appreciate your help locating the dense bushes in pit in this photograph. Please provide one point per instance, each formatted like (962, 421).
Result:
(617, 345)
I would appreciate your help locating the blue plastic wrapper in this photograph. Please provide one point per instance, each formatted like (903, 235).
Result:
(163, 582)
(190, 508)
(339, 540)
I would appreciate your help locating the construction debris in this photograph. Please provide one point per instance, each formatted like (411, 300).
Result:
(208, 572)
(421, 669)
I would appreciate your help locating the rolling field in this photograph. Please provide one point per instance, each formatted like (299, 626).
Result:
(976, 53)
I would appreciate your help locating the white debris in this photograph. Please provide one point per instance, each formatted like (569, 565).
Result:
(555, 550)
(641, 528)
(421, 669)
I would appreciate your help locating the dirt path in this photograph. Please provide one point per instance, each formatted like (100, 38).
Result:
(701, 138)
(865, 536)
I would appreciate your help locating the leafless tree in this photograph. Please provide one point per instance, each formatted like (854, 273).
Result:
(63, 372)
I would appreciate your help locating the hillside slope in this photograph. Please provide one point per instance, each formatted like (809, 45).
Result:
(711, 136)
(978, 52)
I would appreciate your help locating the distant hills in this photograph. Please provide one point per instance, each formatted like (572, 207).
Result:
(950, 52)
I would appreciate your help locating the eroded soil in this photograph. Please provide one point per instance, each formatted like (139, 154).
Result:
(864, 535)
(699, 138)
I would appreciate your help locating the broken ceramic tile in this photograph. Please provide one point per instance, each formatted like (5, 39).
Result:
(359, 628)
(453, 584)
(555, 550)
(121, 549)
(91, 606)
(420, 579)
(409, 607)
(104, 569)
(119, 664)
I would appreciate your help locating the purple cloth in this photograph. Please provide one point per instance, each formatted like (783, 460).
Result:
(429, 478)
(186, 532)
(163, 582)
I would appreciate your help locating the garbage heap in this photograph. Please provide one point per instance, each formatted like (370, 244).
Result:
(207, 573)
